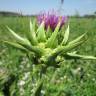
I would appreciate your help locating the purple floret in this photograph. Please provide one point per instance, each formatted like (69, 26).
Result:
(51, 20)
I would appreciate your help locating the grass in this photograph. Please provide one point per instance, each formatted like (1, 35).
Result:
(74, 78)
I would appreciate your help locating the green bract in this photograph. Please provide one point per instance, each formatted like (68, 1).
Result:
(47, 50)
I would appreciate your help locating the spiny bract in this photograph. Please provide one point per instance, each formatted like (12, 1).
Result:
(47, 50)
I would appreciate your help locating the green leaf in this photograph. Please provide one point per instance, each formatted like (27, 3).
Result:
(18, 38)
(64, 49)
(16, 45)
(50, 42)
(32, 35)
(66, 36)
(41, 33)
(78, 38)
(77, 56)
(38, 89)
(37, 50)
(26, 44)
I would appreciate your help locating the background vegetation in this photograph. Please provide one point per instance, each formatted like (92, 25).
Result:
(74, 78)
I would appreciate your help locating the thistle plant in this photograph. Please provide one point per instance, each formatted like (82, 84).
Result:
(45, 50)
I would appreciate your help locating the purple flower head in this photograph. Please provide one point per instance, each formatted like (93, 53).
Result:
(51, 20)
